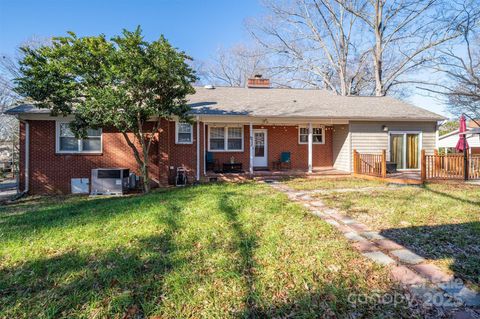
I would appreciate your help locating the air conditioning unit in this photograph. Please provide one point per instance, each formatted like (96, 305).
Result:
(110, 181)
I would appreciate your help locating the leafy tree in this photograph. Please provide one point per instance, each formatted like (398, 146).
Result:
(448, 126)
(124, 83)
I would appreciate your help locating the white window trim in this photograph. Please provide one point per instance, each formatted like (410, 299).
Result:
(176, 134)
(225, 137)
(420, 146)
(57, 141)
(313, 127)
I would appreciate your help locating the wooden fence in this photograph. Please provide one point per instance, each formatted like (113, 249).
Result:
(450, 166)
(433, 167)
(370, 164)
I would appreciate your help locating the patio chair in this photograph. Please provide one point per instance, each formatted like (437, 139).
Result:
(285, 161)
(212, 163)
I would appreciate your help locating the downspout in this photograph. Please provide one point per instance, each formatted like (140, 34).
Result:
(198, 150)
(27, 156)
(204, 149)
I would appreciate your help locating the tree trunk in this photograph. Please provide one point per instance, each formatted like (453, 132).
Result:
(146, 179)
(142, 164)
(378, 49)
(144, 168)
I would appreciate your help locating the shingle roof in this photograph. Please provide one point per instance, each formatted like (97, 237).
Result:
(302, 103)
(289, 103)
(26, 109)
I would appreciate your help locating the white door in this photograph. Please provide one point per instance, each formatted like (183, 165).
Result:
(260, 148)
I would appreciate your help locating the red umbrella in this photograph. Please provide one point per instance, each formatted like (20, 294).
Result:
(462, 143)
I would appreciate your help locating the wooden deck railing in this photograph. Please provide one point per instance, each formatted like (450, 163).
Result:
(433, 166)
(474, 167)
(450, 166)
(370, 164)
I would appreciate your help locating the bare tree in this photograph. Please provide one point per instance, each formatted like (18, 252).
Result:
(8, 124)
(405, 35)
(233, 66)
(9, 70)
(461, 85)
(317, 42)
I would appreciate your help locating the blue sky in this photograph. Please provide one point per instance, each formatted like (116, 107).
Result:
(198, 27)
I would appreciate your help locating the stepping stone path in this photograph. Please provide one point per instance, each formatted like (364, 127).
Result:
(412, 271)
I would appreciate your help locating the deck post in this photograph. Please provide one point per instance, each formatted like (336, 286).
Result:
(423, 174)
(310, 148)
(355, 162)
(384, 163)
(251, 148)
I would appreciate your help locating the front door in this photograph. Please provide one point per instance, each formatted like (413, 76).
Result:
(260, 148)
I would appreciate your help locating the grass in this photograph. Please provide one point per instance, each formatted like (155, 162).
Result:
(440, 222)
(302, 184)
(208, 251)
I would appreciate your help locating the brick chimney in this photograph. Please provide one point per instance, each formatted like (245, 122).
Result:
(258, 82)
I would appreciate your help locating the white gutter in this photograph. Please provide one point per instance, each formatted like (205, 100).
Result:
(204, 149)
(27, 155)
(251, 148)
(310, 148)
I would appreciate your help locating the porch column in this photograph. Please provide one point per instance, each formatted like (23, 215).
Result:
(310, 147)
(198, 150)
(204, 150)
(252, 150)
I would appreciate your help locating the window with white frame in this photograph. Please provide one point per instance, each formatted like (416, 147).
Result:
(318, 132)
(68, 143)
(184, 133)
(225, 138)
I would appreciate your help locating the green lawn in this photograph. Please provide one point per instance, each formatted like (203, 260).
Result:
(209, 251)
(302, 184)
(440, 222)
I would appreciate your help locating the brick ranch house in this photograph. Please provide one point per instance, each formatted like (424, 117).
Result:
(250, 126)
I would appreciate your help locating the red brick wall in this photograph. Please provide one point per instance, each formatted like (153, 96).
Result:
(240, 157)
(285, 139)
(179, 155)
(51, 172)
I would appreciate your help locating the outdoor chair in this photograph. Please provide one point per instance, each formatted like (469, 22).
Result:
(285, 161)
(212, 163)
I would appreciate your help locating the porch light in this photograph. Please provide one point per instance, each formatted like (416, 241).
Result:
(384, 128)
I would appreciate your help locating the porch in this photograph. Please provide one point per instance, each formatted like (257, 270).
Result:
(241, 150)
(317, 172)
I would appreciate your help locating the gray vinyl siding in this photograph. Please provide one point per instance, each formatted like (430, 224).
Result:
(341, 147)
(368, 137)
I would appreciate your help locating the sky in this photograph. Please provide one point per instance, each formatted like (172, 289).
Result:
(198, 27)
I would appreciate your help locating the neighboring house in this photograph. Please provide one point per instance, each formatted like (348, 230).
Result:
(5, 155)
(249, 126)
(449, 141)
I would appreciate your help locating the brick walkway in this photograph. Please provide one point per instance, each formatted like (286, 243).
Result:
(412, 271)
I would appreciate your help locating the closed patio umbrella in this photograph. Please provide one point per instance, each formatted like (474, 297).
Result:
(462, 143)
